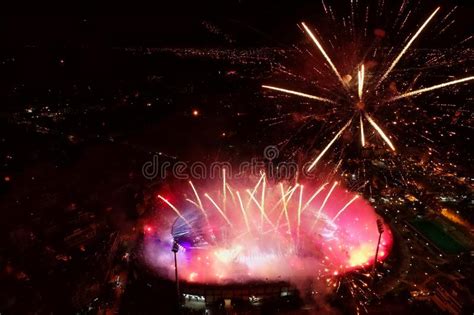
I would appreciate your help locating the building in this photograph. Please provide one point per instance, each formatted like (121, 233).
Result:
(239, 296)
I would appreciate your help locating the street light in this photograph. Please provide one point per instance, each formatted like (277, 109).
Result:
(380, 230)
(175, 249)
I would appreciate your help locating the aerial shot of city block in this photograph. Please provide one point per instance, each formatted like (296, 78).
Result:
(244, 157)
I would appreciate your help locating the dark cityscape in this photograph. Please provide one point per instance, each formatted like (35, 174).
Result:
(247, 158)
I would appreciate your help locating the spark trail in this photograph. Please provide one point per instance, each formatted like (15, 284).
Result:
(324, 202)
(404, 50)
(174, 209)
(431, 88)
(314, 97)
(313, 164)
(321, 49)
(362, 135)
(380, 131)
(218, 209)
(360, 81)
(344, 208)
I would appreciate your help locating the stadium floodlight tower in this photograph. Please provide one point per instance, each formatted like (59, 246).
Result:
(380, 230)
(175, 249)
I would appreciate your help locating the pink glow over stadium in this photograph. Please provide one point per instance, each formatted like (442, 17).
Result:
(268, 231)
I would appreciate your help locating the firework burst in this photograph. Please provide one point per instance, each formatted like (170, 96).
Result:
(370, 90)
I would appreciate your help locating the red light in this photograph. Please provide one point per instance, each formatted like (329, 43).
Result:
(147, 229)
